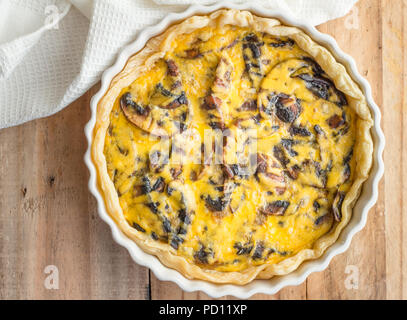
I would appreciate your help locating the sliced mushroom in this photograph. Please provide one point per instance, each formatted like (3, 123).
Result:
(311, 173)
(261, 160)
(258, 251)
(138, 227)
(337, 205)
(288, 145)
(280, 42)
(173, 69)
(211, 102)
(193, 53)
(134, 112)
(299, 131)
(317, 82)
(219, 200)
(249, 105)
(272, 181)
(230, 45)
(216, 204)
(159, 185)
(286, 108)
(214, 102)
(275, 208)
(150, 184)
(320, 132)
(321, 220)
(158, 159)
(279, 154)
(176, 171)
(175, 209)
(168, 94)
(151, 119)
(182, 195)
(243, 249)
(204, 255)
(336, 121)
(252, 57)
(270, 176)
(223, 76)
(168, 110)
(293, 171)
(281, 95)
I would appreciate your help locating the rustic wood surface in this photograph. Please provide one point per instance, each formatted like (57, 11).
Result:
(48, 217)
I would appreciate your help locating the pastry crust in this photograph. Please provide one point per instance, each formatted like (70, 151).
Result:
(156, 49)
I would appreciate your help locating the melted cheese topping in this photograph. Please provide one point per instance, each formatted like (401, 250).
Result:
(235, 149)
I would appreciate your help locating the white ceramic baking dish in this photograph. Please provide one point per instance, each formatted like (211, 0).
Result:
(366, 200)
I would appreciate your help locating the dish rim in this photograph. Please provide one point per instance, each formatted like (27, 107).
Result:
(365, 202)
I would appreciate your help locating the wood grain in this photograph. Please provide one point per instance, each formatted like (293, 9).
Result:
(48, 217)
(394, 62)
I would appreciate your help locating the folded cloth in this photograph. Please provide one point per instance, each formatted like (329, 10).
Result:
(53, 51)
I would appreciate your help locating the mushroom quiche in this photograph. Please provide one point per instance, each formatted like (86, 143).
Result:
(232, 147)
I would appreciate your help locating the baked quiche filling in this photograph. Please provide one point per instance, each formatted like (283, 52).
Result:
(235, 149)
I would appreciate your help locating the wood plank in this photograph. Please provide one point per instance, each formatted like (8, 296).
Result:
(394, 120)
(164, 290)
(44, 207)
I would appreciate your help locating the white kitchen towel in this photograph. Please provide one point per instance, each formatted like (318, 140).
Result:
(53, 51)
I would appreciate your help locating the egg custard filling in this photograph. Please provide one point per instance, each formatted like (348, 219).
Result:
(232, 149)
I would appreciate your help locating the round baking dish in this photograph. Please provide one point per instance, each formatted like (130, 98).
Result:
(366, 200)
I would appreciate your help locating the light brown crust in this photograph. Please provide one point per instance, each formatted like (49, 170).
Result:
(154, 50)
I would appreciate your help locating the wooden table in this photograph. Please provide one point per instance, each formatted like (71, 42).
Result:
(48, 217)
